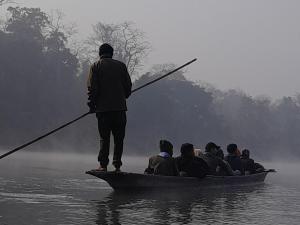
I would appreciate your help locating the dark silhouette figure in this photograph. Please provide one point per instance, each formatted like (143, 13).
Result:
(247, 162)
(109, 85)
(163, 163)
(190, 165)
(213, 156)
(234, 159)
(249, 165)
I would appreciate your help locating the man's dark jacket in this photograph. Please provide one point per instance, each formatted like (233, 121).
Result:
(192, 166)
(235, 162)
(159, 165)
(214, 162)
(109, 85)
(248, 164)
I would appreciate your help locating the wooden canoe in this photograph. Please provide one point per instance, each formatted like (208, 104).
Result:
(125, 181)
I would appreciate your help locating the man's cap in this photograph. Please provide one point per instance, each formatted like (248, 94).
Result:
(210, 146)
(231, 148)
(186, 148)
(165, 145)
(246, 152)
(106, 49)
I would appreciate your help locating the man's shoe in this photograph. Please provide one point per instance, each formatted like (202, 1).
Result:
(102, 169)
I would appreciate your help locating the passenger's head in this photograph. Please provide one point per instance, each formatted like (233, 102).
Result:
(232, 148)
(106, 50)
(187, 150)
(220, 153)
(166, 146)
(246, 154)
(212, 148)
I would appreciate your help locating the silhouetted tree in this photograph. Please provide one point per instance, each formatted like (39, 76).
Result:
(2, 2)
(287, 115)
(38, 73)
(128, 41)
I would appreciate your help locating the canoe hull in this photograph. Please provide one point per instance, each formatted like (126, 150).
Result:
(123, 181)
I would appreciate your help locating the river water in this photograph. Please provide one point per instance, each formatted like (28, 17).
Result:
(40, 188)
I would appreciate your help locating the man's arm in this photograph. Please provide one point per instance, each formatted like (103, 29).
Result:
(241, 168)
(92, 90)
(225, 166)
(149, 169)
(127, 84)
(252, 165)
(175, 167)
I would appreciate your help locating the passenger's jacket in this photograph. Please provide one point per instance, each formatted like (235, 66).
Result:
(159, 165)
(235, 162)
(248, 165)
(258, 168)
(224, 170)
(215, 163)
(109, 85)
(192, 166)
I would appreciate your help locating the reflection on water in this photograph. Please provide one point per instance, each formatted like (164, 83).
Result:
(55, 190)
(260, 204)
(215, 206)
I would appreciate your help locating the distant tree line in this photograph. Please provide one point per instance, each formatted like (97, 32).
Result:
(43, 84)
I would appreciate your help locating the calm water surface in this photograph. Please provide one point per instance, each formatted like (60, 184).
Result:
(38, 188)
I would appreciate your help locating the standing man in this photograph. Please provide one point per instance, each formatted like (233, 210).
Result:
(109, 85)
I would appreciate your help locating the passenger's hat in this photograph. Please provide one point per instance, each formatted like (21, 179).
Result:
(245, 153)
(106, 49)
(166, 146)
(210, 146)
(186, 148)
(231, 148)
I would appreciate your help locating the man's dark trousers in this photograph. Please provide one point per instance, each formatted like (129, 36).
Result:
(115, 123)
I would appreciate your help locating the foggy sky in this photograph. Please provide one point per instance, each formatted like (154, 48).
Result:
(248, 45)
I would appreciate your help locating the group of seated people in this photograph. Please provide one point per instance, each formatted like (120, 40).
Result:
(194, 163)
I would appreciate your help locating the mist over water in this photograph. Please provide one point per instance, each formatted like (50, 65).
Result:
(52, 188)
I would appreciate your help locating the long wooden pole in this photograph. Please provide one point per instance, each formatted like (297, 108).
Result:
(85, 114)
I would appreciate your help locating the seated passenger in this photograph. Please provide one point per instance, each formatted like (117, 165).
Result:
(247, 162)
(190, 165)
(234, 160)
(259, 168)
(214, 161)
(163, 163)
(225, 170)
